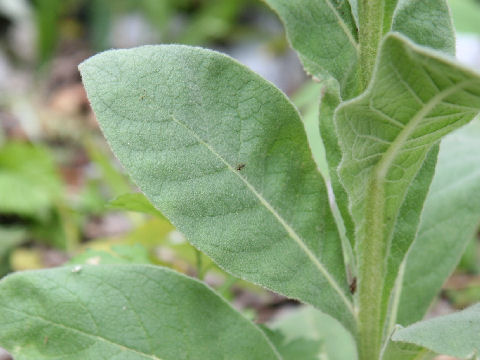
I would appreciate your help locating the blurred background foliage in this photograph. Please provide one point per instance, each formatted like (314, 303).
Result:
(64, 199)
(63, 196)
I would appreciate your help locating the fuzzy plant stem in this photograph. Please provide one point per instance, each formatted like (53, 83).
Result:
(371, 246)
(370, 13)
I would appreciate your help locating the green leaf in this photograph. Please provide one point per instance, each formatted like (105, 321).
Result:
(388, 11)
(419, 31)
(410, 20)
(329, 102)
(456, 334)
(354, 7)
(416, 97)
(426, 22)
(122, 312)
(29, 174)
(403, 351)
(450, 219)
(23, 197)
(307, 323)
(325, 35)
(223, 154)
(136, 202)
(405, 232)
(306, 100)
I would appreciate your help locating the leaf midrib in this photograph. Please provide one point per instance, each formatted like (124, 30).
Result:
(291, 232)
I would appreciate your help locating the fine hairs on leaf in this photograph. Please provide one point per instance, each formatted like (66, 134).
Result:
(224, 156)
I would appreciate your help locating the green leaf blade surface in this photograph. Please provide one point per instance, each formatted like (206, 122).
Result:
(427, 23)
(409, 19)
(450, 219)
(325, 35)
(456, 334)
(122, 312)
(405, 351)
(223, 154)
(404, 234)
(329, 102)
(416, 98)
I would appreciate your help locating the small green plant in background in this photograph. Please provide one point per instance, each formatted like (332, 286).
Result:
(32, 204)
(224, 156)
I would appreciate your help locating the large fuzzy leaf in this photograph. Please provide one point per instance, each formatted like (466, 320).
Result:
(416, 97)
(224, 156)
(450, 219)
(122, 312)
(409, 20)
(427, 23)
(455, 334)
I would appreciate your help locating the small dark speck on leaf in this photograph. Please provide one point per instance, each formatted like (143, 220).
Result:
(240, 167)
(353, 285)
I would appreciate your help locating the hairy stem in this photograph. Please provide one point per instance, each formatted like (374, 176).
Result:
(370, 14)
(371, 245)
(371, 269)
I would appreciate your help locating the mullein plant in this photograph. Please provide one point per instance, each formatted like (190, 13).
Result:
(223, 154)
